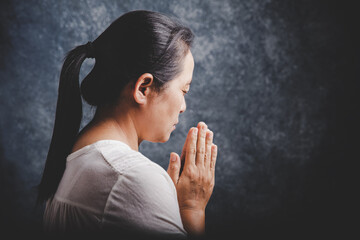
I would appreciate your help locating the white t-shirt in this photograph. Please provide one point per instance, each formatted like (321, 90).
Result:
(109, 186)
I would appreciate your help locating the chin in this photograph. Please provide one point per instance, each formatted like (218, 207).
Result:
(165, 139)
(161, 139)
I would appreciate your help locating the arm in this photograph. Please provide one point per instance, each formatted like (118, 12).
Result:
(195, 183)
(193, 221)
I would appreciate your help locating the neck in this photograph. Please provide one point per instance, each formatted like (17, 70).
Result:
(116, 124)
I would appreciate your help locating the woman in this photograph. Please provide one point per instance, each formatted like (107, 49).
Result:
(97, 180)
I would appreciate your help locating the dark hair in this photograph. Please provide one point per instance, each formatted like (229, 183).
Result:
(137, 42)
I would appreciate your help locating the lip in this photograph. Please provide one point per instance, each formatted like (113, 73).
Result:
(174, 126)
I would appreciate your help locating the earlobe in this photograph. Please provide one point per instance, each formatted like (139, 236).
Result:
(143, 88)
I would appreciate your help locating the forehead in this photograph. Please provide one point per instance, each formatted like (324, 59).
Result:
(185, 76)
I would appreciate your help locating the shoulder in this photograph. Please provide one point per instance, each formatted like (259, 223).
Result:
(144, 197)
(120, 156)
(136, 169)
(151, 179)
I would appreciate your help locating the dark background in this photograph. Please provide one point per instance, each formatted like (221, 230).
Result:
(276, 81)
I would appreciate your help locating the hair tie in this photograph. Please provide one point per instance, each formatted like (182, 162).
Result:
(90, 53)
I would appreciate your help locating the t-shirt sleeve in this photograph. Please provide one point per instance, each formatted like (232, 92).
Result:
(144, 199)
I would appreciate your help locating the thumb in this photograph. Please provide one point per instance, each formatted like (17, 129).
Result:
(174, 167)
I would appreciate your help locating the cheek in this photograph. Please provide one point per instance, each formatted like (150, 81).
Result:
(177, 103)
(169, 107)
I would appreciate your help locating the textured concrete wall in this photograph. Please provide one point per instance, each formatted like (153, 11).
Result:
(274, 80)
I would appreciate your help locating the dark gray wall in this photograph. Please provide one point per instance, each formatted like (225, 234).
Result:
(274, 80)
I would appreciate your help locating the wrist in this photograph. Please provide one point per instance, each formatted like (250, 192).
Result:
(193, 220)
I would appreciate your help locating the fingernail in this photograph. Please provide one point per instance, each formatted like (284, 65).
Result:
(195, 131)
(173, 158)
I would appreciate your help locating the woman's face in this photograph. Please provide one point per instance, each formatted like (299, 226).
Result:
(164, 109)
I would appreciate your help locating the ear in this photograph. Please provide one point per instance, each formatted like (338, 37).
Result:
(142, 88)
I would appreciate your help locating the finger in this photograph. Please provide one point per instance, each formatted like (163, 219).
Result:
(200, 147)
(209, 140)
(213, 157)
(174, 167)
(183, 153)
(191, 148)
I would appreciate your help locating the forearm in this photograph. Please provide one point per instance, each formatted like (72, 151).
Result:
(193, 221)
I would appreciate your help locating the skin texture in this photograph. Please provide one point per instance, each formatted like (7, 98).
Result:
(196, 182)
(143, 114)
(140, 107)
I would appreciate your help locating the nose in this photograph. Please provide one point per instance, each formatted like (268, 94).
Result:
(183, 106)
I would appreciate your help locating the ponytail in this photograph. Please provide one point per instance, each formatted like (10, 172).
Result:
(67, 121)
(137, 42)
